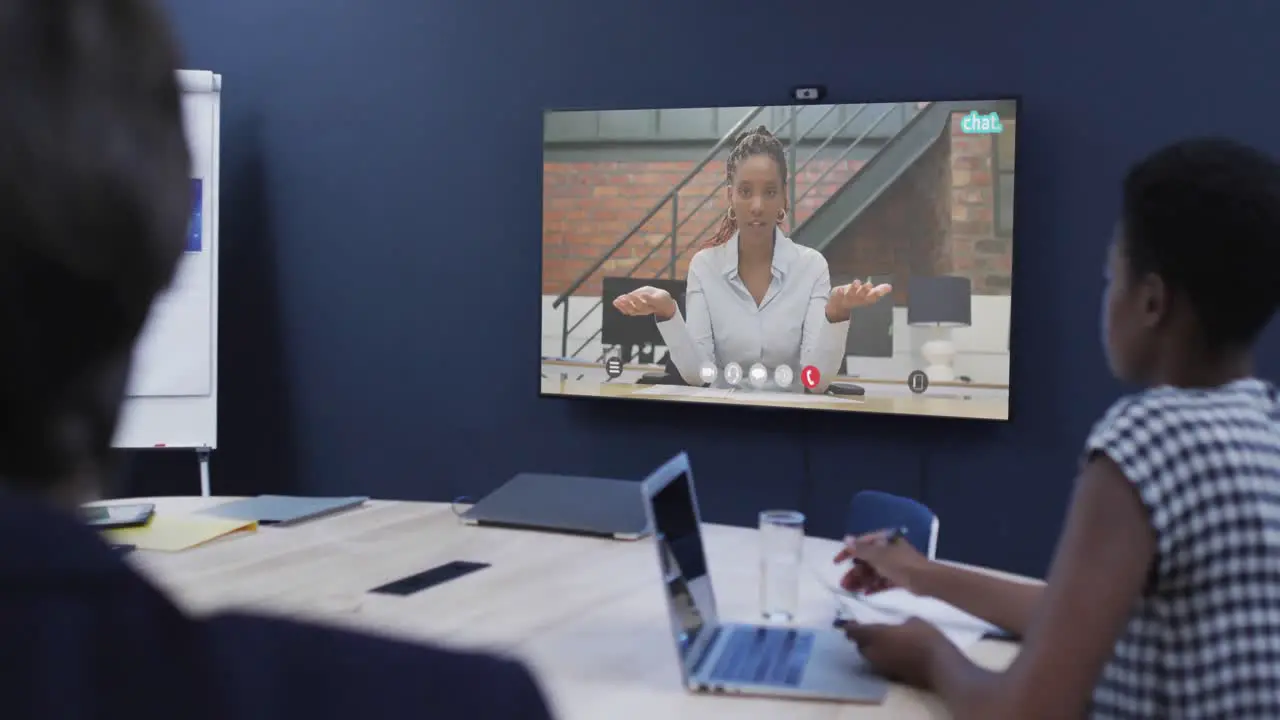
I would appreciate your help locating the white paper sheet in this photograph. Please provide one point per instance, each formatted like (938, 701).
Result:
(961, 633)
(896, 606)
(174, 354)
(903, 604)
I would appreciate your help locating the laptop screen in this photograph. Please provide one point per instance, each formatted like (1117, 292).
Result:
(684, 564)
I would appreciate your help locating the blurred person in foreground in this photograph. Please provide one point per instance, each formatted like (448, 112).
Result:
(94, 203)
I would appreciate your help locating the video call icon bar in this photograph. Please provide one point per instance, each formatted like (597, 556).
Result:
(758, 375)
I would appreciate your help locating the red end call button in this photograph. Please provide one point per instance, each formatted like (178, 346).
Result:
(810, 377)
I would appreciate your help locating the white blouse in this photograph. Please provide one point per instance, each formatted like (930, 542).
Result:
(724, 325)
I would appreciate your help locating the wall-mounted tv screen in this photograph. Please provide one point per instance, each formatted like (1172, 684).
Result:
(848, 258)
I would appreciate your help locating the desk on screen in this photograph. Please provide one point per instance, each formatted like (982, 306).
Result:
(983, 402)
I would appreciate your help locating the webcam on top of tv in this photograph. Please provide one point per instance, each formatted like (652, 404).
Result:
(809, 93)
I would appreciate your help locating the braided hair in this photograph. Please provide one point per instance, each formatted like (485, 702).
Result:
(749, 144)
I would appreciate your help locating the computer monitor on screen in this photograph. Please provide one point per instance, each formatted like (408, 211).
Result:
(871, 326)
(760, 210)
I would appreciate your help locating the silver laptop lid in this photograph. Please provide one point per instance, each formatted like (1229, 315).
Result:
(672, 506)
(565, 503)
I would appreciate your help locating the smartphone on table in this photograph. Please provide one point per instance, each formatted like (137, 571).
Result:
(114, 517)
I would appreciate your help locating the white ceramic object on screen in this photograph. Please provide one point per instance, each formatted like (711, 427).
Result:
(939, 354)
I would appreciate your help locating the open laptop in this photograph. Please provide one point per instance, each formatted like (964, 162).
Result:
(720, 657)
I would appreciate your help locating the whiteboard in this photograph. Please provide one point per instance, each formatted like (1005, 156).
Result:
(172, 395)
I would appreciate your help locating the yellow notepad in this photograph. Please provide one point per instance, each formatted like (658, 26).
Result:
(171, 533)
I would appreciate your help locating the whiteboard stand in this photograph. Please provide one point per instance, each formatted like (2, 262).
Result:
(172, 398)
(203, 455)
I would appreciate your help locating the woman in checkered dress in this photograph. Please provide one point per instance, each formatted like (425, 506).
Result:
(1163, 600)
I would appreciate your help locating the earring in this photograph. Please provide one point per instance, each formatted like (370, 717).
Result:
(782, 216)
(732, 215)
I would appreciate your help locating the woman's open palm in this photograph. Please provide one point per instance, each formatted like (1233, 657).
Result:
(646, 300)
(856, 294)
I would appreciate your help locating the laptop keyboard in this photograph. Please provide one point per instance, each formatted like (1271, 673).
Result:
(764, 656)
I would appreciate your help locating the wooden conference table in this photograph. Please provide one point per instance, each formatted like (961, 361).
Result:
(588, 615)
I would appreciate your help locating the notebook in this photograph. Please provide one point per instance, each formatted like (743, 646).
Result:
(896, 606)
(172, 533)
(283, 509)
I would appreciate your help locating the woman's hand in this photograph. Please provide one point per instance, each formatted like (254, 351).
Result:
(647, 301)
(879, 563)
(899, 652)
(856, 294)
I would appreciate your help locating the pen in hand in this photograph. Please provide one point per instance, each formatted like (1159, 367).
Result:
(868, 571)
(897, 534)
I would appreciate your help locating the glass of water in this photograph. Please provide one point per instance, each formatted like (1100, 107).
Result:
(781, 553)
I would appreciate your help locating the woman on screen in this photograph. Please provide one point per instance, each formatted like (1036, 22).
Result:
(753, 295)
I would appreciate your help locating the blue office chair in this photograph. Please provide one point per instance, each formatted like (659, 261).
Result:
(872, 510)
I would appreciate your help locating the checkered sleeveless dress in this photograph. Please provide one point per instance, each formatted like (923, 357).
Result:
(1204, 639)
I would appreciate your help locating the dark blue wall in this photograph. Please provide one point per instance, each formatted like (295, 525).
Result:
(382, 158)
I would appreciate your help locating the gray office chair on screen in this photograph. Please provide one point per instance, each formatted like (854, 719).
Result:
(669, 375)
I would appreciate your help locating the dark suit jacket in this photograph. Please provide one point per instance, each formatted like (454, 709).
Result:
(83, 636)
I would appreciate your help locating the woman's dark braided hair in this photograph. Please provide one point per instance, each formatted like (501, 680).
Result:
(749, 144)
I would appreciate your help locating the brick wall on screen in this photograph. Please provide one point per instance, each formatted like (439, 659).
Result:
(938, 218)
(977, 250)
(904, 231)
(588, 206)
